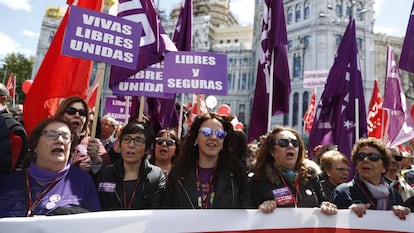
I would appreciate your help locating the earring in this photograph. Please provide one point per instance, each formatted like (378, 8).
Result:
(195, 144)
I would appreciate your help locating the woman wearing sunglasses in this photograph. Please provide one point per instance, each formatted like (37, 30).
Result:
(74, 110)
(48, 183)
(166, 149)
(282, 179)
(368, 189)
(208, 174)
(132, 182)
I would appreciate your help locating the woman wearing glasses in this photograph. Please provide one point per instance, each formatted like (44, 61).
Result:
(207, 173)
(335, 170)
(132, 182)
(368, 189)
(281, 178)
(48, 184)
(74, 110)
(166, 149)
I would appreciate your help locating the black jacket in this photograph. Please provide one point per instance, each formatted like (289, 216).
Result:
(181, 191)
(310, 193)
(149, 193)
(349, 193)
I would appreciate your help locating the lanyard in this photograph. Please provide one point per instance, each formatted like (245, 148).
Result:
(32, 204)
(134, 192)
(202, 199)
(367, 196)
(295, 199)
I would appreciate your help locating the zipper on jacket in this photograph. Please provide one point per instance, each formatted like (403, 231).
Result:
(186, 193)
(232, 189)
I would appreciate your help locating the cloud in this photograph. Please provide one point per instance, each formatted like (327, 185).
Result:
(243, 10)
(9, 45)
(378, 7)
(393, 31)
(17, 4)
(30, 34)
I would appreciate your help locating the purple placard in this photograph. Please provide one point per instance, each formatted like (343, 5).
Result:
(195, 72)
(148, 82)
(101, 37)
(116, 108)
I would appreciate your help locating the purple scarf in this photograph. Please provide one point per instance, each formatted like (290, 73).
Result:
(46, 177)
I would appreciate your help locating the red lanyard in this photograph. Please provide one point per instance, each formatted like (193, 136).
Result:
(367, 196)
(131, 199)
(295, 199)
(204, 197)
(32, 204)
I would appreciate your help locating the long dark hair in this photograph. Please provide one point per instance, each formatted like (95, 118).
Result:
(66, 103)
(189, 151)
(172, 133)
(34, 137)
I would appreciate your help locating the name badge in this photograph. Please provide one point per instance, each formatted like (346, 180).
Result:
(283, 196)
(107, 187)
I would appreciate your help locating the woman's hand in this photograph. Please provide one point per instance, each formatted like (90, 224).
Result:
(401, 211)
(359, 209)
(268, 207)
(328, 208)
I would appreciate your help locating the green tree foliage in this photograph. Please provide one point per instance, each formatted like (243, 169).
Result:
(20, 66)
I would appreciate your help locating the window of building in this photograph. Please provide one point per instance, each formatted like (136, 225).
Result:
(298, 12)
(290, 15)
(289, 45)
(338, 10)
(306, 11)
(306, 41)
(229, 82)
(295, 109)
(338, 39)
(359, 43)
(305, 102)
(243, 84)
(297, 65)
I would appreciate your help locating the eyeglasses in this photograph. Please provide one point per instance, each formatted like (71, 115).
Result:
(138, 141)
(397, 158)
(72, 111)
(285, 142)
(371, 156)
(207, 132)
(168, 141)
(54, 135)
(342, 169)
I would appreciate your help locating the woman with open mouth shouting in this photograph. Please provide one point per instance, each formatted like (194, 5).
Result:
(282, 179)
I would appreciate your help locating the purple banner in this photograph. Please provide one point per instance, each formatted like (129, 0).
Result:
(148, 82)
(101, 37)
(195, 72)
(116, 108)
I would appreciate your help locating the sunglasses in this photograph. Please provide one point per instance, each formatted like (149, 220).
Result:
(397, 158)
(168, 142)
(72, 111)
(285, 142)
(371, 156)
(54, 135)
(207, 132)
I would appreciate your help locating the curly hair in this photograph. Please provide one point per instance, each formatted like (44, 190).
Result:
(34, 137)
(265, 159)
(189, 151)
(375, 143)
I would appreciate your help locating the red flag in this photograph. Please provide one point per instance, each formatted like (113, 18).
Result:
(59, 76)
(11, 85)
(194, 109)
(310, 114)
(375, 114)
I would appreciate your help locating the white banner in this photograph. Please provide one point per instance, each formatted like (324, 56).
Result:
(282, 220)
(315, 78)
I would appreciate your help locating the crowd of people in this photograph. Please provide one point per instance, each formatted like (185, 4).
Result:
(61, 169)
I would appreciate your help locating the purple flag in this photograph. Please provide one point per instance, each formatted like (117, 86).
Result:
(335, 121)
(273, 44)
(400, 123)
(407, 52)
(154, 41)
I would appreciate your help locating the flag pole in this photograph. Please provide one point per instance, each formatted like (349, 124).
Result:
(269, 111)
(180, 118)
(198, 104)
(356, 119)
(141, 109)
(100, 76)
(127, 98)
(14, 91)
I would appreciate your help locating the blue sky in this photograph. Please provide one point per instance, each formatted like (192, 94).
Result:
(21, 19)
